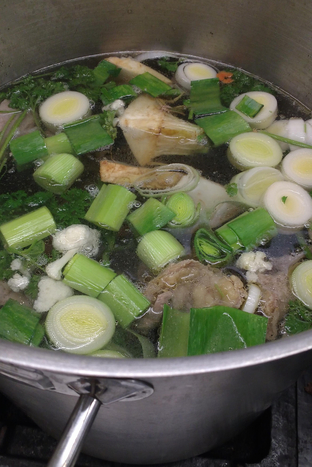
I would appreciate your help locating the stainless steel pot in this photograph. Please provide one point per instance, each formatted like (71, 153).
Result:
(176, 408)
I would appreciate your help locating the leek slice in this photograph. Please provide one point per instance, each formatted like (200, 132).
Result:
(158, 248)
(267, 114)
(297, 167)
(249, 150)
(184, 208)
(150, 216)
(249, 106)
(58, 173)
(210, 249)
(289, 204)
(301, 282)
(188, 72)
(80, 324)
(253, 183)
(174, 333)
(64, 107)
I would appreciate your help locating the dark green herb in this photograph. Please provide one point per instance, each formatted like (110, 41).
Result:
(32, 289)
(231, 189)
(284, 198)
(241, 83)
(298, 318)
(168, 64)
(107, 121)
(5, 261)
(68, 208)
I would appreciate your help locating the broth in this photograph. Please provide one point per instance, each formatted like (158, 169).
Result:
(118, 251)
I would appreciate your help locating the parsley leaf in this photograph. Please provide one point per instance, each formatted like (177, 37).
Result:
(298, 318)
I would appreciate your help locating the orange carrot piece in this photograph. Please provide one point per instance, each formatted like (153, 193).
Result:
(225, 77)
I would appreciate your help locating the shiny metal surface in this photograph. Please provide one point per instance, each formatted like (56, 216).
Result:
(200, 401)
(69, 446)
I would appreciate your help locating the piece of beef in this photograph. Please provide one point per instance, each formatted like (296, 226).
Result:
(190, 284)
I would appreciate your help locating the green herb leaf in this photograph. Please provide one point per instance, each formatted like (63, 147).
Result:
(284, 198)
(169, 64)
(298, 318)
(231, 189)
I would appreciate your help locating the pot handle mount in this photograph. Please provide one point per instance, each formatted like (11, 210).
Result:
(93, 393)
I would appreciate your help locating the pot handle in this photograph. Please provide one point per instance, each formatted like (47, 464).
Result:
(78, 425)
(93, 393)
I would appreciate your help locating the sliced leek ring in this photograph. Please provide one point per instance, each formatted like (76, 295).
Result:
(253, 183)
(188, 72)
(289, 204)
(308, 131)
(249, 150)
(296, 130)
(297, 167)
(64, 107)
(301, 282)
(253, 299)
(280, 128)
(267, 114)
(80, 324)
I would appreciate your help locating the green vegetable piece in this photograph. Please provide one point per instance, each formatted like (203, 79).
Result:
(251, 228)
(87, 275)
(220, 128)
(152, 215)
(28, 148)
(124, 91)
(58, 144)
(18, 323)
(124, 299)
(58, 172)
(232, 189)
(205, 97)
(110, 207)
(104, 70)
(150, 84)
(249, 107)
(26, 229)
(158, 248)
(298, 318)
(221, 328)
(5, 262)
(210, 249)
(182, 204)
(174, 334)
(168, 64)
(87, 135)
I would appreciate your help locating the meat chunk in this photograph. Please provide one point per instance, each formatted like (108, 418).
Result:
(6, 293)
(190, 284)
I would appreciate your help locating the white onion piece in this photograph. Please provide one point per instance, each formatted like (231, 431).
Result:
(308, 131)
(64, 107)
(253, 183)
(249, 150)
(80, 324)
(267, 114)
(154, 54)
(289, 204)
(297, 167)
(296, 131)
(188, 72)
(253, 299)
(280, 128)
(301, 281)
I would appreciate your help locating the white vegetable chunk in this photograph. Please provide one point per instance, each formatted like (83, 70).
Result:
(78, 236)
(188, 72)
(80, 324)
(151, 131)
(267, 114)
(301, 281)
(249, 150)
(64, 107)
(289, 204)
(50, 292)
(253, 183)
(130, 68)
(18, 282)
(296, 131)
(297, 167)
(253, 299)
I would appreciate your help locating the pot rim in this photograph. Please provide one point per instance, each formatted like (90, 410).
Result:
(81, 365)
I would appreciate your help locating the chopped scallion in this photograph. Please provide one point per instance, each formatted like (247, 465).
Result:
(205, 97)
(28, 148)
(186, 212)
(249, 106)
(210, 249)
(150, 216)
(110, 207)
(150, 84)
(87, 135)
(158, 248)
(124, 299)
